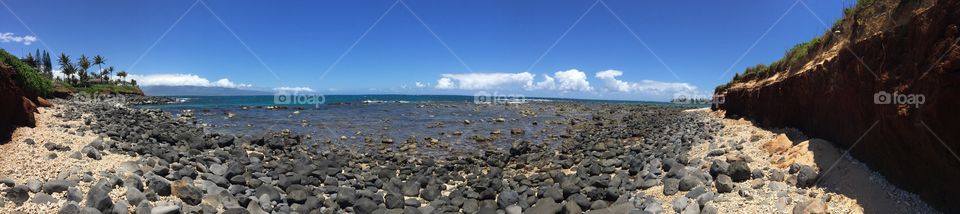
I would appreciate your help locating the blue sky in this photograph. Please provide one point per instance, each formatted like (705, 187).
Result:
(683, 46)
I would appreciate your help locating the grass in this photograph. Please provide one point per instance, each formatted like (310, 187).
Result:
(110, 89)
(28, 77)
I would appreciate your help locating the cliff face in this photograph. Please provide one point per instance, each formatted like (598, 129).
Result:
(841, 98)
(16, 107)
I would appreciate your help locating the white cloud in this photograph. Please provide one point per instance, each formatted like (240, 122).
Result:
(609, 78)
(569, 80)
(294, 89)
(422, 85)
(475, 81)
(10, 37)
(183, 80)
(445, 83)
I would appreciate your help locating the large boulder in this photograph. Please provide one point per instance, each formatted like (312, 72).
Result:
(16, 109)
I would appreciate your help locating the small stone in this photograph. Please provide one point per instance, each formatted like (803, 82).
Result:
(159, 185)
(134, 196)
(724, 184)
(187, 192)
(679, 204)
(670, 186)
(43, 198)
(514, 209)
(18, 194)
(688, 182)
(58, 185)
(168, 209)
(91, 152)
(709, 209)
(598, 204)
(70, 208)
(507, 198)
(34, 185)
(692, 208)
(364, 206)
(545, 205)
(806, 176)
(813, 206)
(98, 197)
(74, 194)
(8, 182)
(739, 171)
(393, 201)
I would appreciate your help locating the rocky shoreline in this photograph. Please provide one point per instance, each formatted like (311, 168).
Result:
(105, 157)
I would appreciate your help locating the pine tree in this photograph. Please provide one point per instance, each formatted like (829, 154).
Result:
(47, 65)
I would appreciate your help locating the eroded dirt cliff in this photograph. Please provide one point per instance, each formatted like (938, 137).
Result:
(907, 50)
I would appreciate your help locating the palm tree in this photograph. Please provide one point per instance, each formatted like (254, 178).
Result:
(105, 74)
(98, 61)
(66, 66)
(122, 75)
(84, 64)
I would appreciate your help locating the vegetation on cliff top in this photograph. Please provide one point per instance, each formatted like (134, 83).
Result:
(35, 74)
(801, 53)
(29, 78)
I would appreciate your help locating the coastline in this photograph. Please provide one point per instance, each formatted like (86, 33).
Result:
(598, 168)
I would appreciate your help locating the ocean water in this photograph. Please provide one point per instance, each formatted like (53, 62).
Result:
(357, 120)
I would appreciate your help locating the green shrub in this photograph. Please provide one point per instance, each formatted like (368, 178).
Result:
(27, 76)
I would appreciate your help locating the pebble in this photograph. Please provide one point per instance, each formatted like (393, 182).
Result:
(739, 171)
(671, 186)
(806, 176)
